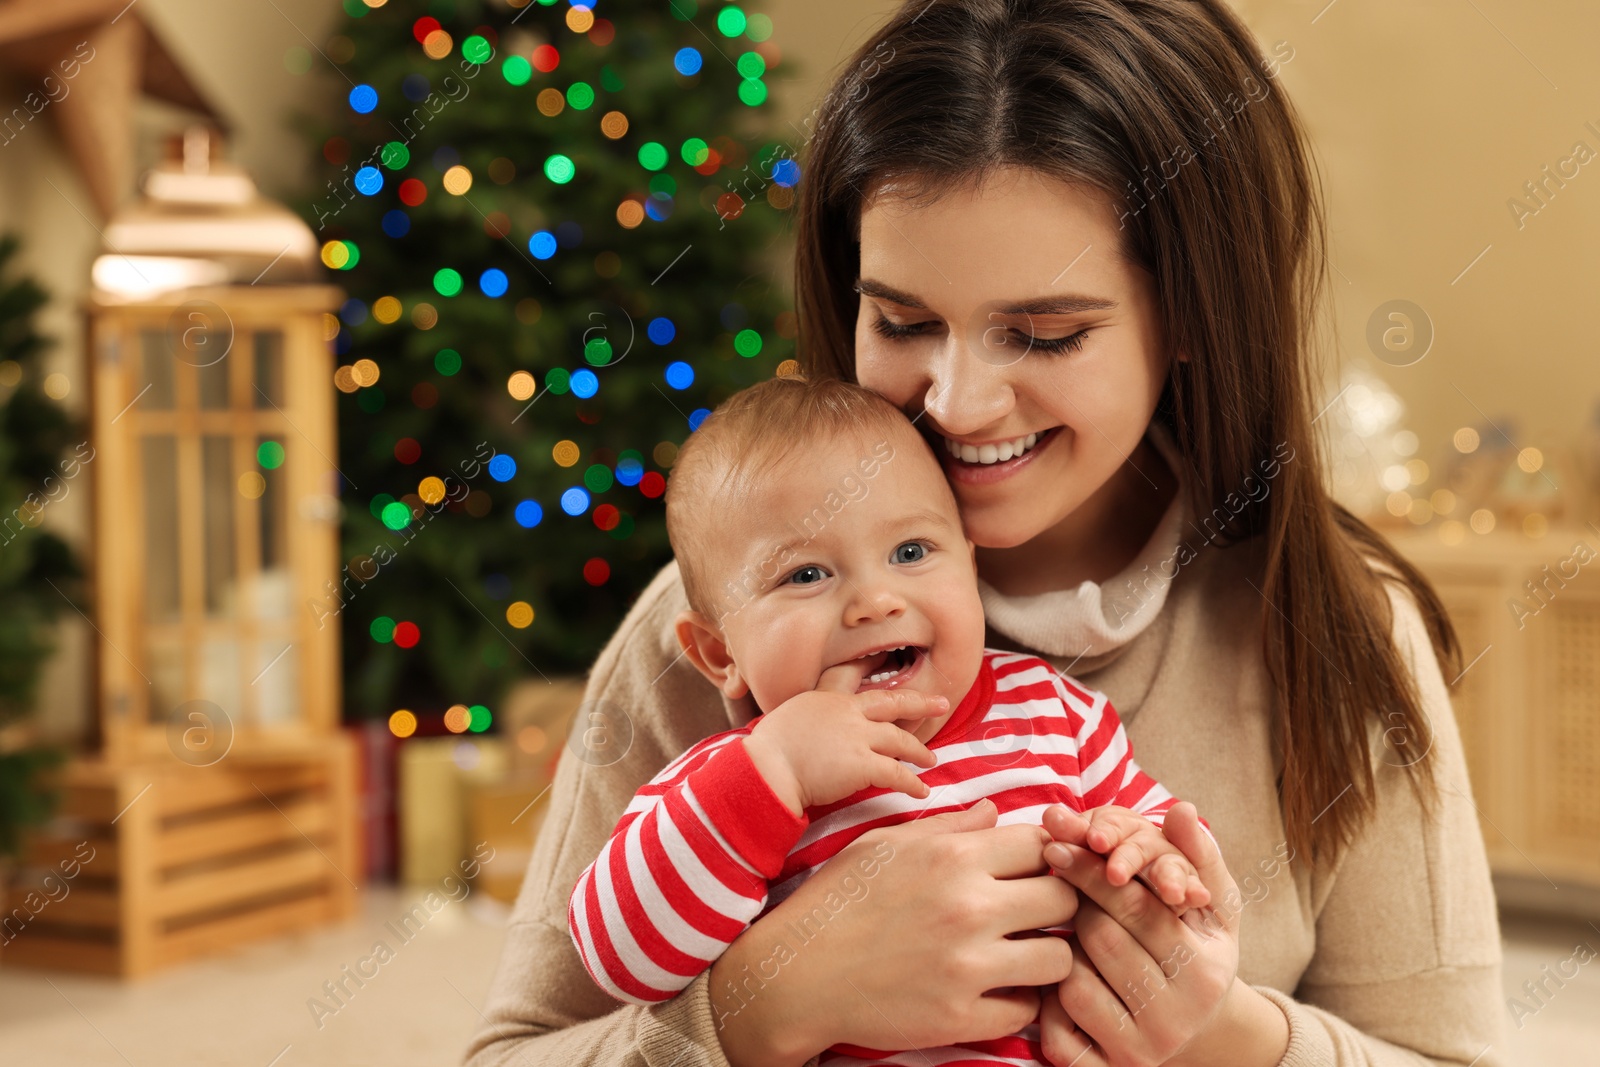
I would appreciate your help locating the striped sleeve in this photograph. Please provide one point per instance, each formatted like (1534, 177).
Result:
(684, 873)
(1107, 772)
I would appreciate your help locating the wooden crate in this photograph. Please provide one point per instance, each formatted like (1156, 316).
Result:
(169, 862)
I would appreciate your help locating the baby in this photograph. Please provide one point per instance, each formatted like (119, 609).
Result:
(828, 576)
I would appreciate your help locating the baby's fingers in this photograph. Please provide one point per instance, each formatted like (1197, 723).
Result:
(887, 705)
(843, 677)
(1136, 847)
(890, 740)
(1175, 881)
(889, 773)
(1197, 895)
(1110, 826)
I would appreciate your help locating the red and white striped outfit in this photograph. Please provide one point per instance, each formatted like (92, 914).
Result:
(706, 847)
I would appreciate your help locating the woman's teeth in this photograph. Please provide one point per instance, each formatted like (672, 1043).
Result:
(991, 453)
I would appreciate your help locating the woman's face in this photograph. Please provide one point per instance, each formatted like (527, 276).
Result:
(1008, 312)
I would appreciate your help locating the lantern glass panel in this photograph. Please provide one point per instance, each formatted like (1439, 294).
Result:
(161, 526)
(269, 368)
(220, 572)
(213, 384)
(158, 388)
(274, 517)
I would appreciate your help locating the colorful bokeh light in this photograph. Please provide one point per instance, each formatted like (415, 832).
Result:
(447, 282)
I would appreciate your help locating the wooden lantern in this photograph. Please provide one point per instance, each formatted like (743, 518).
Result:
(221, 802)
(216, 508)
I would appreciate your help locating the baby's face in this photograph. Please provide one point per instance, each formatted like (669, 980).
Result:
(886, 565)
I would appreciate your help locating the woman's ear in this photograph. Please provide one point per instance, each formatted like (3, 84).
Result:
(706, 648)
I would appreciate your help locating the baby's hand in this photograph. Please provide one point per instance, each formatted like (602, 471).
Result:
(1133, 846)
(822, 746)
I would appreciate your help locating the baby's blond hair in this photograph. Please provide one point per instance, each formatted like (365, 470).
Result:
(747, 435)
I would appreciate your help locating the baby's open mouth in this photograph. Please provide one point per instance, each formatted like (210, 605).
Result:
(891, 665)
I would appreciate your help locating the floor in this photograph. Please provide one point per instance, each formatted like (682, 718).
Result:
(1559, 1024)
(252, 1007)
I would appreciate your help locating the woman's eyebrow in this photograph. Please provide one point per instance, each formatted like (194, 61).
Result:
(1068, 304)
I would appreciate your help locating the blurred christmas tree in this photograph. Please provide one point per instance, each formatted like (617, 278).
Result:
(37, 569)
(561, 231)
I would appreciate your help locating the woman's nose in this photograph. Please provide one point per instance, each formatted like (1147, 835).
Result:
(967, 388)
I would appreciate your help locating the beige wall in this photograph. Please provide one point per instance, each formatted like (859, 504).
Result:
(1428, 119)
(1427, 116)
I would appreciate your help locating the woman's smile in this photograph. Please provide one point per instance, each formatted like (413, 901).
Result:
(987, 467)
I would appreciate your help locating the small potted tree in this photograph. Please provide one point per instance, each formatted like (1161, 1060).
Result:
(38, 574)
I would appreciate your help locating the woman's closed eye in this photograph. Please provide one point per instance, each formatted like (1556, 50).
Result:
(895, 331)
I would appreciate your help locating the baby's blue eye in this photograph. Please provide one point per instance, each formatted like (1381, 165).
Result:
(917, 550)
(795, 577)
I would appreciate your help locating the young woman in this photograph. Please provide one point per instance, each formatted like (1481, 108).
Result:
(1090, 225)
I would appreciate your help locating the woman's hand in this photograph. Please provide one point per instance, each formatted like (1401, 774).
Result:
(899, 942)
(1149, 988)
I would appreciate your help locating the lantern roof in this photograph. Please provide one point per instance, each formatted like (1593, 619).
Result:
(200, 221)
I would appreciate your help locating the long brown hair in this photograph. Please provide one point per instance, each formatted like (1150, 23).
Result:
(1169, 108)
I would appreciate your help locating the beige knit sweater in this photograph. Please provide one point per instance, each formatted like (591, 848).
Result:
(1390, 957)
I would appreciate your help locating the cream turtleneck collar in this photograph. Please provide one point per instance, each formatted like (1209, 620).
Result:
(1099, 617)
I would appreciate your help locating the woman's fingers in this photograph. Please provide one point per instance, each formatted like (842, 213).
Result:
(1094, 1006)
(999, 851)
(1064, 1045)
(1117, 953)
(1035, 903)
(1031, 961)
(1182, 828)
(980, 816)
(1131, 907)
(1011, 851)
(1000, 1013)
(1023, 890)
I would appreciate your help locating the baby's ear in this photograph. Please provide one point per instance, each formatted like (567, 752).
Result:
(703, 643)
